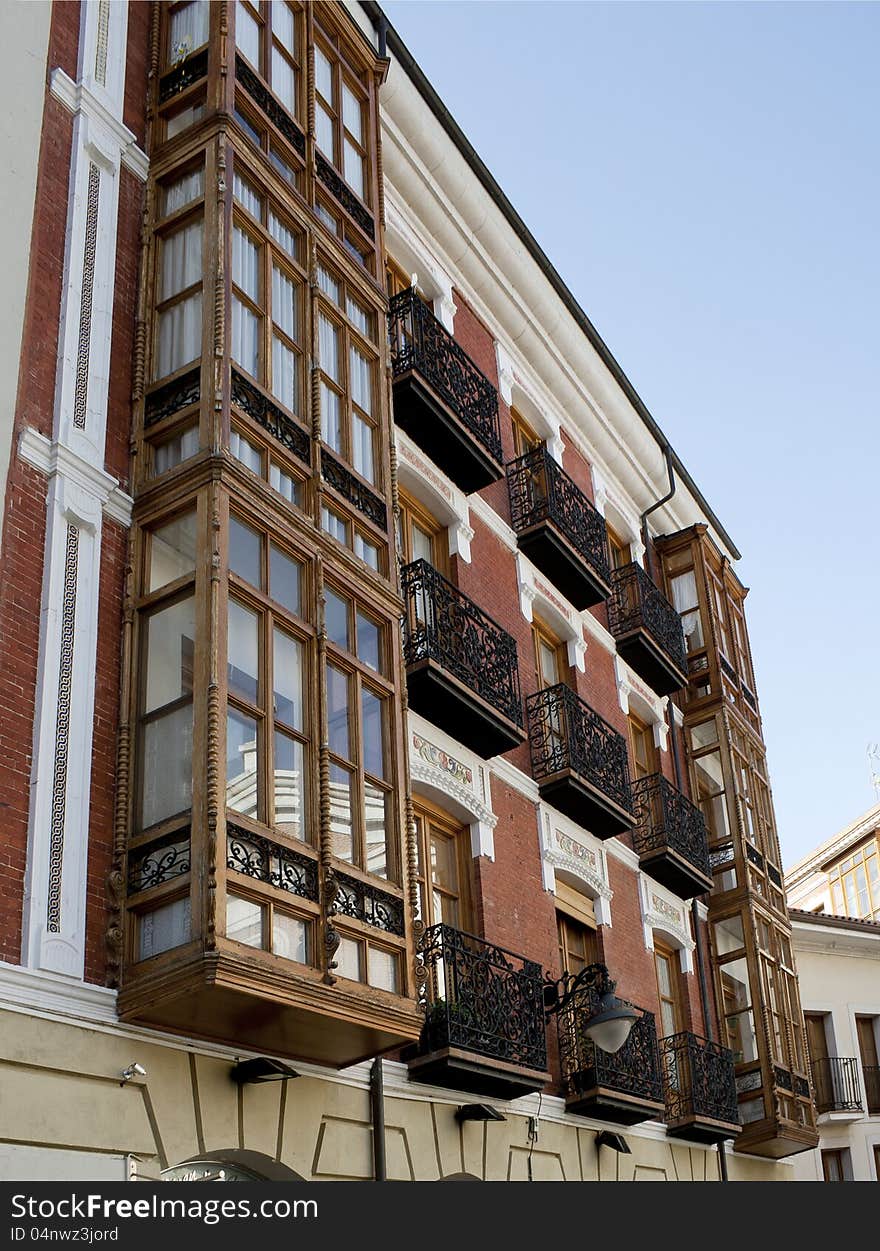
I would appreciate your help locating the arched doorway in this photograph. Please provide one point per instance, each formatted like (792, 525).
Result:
(230, 1165)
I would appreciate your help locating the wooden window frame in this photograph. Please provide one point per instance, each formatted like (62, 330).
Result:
(574, 908)
(639, 730)
(543, 635)
(414, 512)
(525, 437)
(261, 12)
(676, 999)
(619, 550)
(343, 73)
(428, 815)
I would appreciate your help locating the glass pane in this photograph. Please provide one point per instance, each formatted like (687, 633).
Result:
(372, 729)
(285, 170)
(341, 833)
(664, 976)
(247, 35)
(283, 80)
(735, 984)
(334, 525)
(336, 618)
(361, 380)
(284, 302)
(382, 969)
(351, 113)
(328, 284)
(362, 448)
(354, 168)
(422, 544)
(183, 191)
(183, 118)
(366, 551)
(175, 450)
(323, 75)
(245, 547)
(376, 822)
(172, 551)
(166, 766)
(245, 263)
(359, 317)
(243, 669)
(284, 572)
(337, 712)
(324, 131)
(704, 734)
(247, 196)
(245, 337)
(282, 25)
(241, 763)
(180, 335)
(288, 680)
(444, 864)
(740, 1029)
(170, 635)
(244, 921)
(285, 374)
(289, 784)
(328, 347)
(287, 486)
(187, 29)
(165, 927)
(331, 427)
(348, 960)
(282, 235)
(729, 935)
(290, 937)
(181, 259)
(246, 452)
(369, 642)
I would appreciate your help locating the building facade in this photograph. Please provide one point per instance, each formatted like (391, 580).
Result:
(376, 674)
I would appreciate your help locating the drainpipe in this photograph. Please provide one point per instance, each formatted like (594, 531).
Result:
(377, 1109)
(646, 538)
(380, 21)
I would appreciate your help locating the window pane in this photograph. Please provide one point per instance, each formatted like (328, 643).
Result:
(284, 302)
(285, 374)
(241, 763)
(244, 921)
(337, 712)
(245, 549)
(729, 935)
(284, 578)
(328, 347)
(336, 618)
(352, 114)
(181, 260)
(172, 551)
(244, 652)
(244, 451)
(283, 26)
(282, 235)
(362, 448)
(348, 960)
(359, 318)
(245, 263)
(245, 337)
(287, 486)
(331, 427)
(334, 525)
(361, 380)
(376, 823)
(165, 927)
(369, 642)
(366, 551)
(166, 766)
(247, 35)
(324, 130)
(382, 969)
(285, 170)
(183, 191)
(180, 335)
(248, 197)
(187, 29)
(175, 450)
(341, 835)
(170, 635)
(372, 729)
(354, 168)
(287, 680)
(323, 75)
(289, 786)
(290, 937)
(283, 81)
(328, 284)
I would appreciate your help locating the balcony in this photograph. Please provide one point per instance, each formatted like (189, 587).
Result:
(701, 1102)
(579, 761)
(484, 1022)
(648, 630)
(625, 1087)
(836, 1084)
(670, 837)
(442, 400)
(461, 667)
(871, 1074)
(558, 528)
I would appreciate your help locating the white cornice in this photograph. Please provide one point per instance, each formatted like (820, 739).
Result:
(78, 99)
(834, 847)
(499, 527)
(55, 458)
(515, 778)
(622, 853)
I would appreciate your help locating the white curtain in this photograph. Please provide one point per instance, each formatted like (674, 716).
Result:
(245, 337)
(352, 114)
(246, 264)
(283, 236)
(323, 75)
(353, 170)
(181, 260)
(361, 380)
(284, 374)
(362, 448)
(283, 25)
(188, 29)
(245, 452)
(184, 190)
(331, 430)
(180, 335)
(328, 284)
(284, 302)
(247, 35)
(283, 81)
(328, 347)
(248, 198)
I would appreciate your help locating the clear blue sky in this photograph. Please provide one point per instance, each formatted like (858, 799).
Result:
(706, 179)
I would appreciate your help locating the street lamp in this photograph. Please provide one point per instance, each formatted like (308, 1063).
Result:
(608, 1025)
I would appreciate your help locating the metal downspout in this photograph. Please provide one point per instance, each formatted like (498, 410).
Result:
(377, 1110)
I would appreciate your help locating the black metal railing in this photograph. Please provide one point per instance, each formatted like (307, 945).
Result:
(636, 603)
(482, 998)
(566, 733)
(442, 624)
(698, 1079)
(541, 491)
(634, 1070)
(666, 819)
(836, 1084)
(871, 1074)
(422, 343)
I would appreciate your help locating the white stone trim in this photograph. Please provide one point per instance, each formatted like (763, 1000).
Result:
(54, 458)
(553, 607)
(408, 247)
(499, 527)
(514, 778)
(448, 771)
(597, 631)
(431, 487)
(635, 695)
(567, 847)
(518, 390)
(625, 855)
(668, 915)
(623, 517)
(79, 99)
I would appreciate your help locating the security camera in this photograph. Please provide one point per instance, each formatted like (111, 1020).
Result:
(133, 1070)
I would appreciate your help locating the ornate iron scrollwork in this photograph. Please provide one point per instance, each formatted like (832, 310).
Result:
(442, 624)
(343, 193)
(268, 415)
(270, 106)
(369, 904)
(698, 1078)
(667, 819)
(481, 998)
(727, 667)
(172, 397)
(183, 76)
(636, 603)
(420, 342)
(754, 856)
(566, 733)
(363, 499)
(265, 861)
(540, 490)
(159, 862)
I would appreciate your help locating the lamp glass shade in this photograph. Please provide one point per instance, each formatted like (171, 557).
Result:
(610, 1026)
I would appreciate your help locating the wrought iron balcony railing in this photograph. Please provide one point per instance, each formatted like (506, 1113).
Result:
(636, 604)
(482, 998)
(421, 343)
(542, 492)
(836, 1084)
(566, 733)
(633, 1072)
(871, 1074)
(698, 1079)
(443, 625)
(667, 821)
